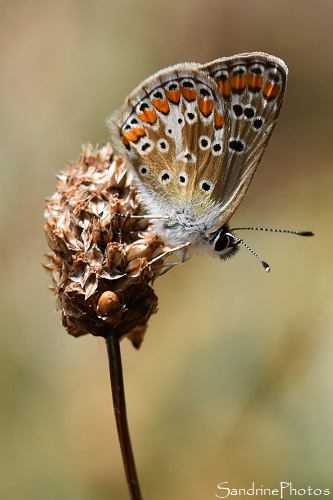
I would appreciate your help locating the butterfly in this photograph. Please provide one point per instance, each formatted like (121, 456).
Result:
(194, 135)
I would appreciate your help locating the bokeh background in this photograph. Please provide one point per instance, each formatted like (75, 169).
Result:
(234, 379)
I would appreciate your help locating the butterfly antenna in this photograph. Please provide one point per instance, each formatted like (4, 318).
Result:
(242, 242)
(288, 231)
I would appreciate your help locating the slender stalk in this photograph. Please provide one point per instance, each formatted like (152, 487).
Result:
(119, 406)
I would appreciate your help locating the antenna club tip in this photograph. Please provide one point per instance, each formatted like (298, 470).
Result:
(306, 233)
(266, 267)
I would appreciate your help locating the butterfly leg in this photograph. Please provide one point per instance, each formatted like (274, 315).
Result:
(134, 216)
(169, 265)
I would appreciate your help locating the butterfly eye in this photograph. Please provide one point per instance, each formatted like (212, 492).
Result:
(206, 186)
(221, 242)
(224, 244)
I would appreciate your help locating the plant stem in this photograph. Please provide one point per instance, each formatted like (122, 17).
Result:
(119, 406)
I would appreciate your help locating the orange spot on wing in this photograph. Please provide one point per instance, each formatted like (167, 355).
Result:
(173, 95)
(125, 142)
(224, 86)
(255, 81)
(238, 82)
(218, 120)
(189, 94)
(271, 90)
(148, 115)
(161, 105)
(134, 135)
(206, 106)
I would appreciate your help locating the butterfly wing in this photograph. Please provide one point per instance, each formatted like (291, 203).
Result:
(253, 87)
(195, 134)
(172, 128)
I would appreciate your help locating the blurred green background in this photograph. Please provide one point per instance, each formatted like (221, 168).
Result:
(234, 379)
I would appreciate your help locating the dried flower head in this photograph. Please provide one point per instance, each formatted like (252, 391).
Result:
(102, 262)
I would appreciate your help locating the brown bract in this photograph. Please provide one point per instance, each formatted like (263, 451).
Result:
(102, 263)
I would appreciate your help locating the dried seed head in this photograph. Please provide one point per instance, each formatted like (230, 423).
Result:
(101, 264)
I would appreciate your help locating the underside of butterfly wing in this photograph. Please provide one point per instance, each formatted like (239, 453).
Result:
(252, 86)
(173, 130)
(195, 134)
